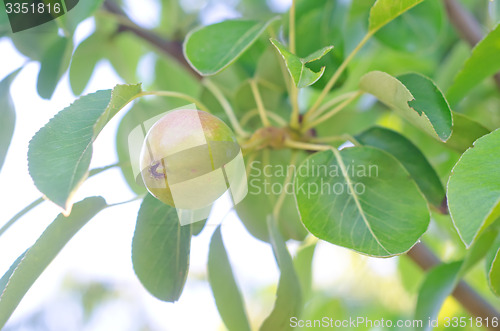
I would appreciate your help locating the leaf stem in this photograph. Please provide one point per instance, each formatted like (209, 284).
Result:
(330, 139)
(38, 201)
(96, 171)
(281, 198)
(332, 112)
(294, 99)
(177, 95)
(13, 220)
(292, 27)
(260, 104)
(306, 146)
(227, 108)
(139, 197)
(339, 72)
(294, 92)
(255, 112)
(311, 116)
(252, 145)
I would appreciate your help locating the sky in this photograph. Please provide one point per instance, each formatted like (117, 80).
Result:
(101, 251)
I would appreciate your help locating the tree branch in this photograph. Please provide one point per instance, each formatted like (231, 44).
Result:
(466, 26)
(168, 47)
(471, 300)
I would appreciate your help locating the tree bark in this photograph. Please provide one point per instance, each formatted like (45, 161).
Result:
(168, 47)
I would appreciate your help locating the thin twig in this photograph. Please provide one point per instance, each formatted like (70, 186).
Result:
(96, 171)
(329, 139)
(259, 102)
(13, 220)
(294, 99)
(294, 92)
(139, 197)
(255, 112)
(327, 105)
(25, 210)
(227, 108)
(332, 112)
(339, 72)
(292, 28)
(282, 196)
(306, 146)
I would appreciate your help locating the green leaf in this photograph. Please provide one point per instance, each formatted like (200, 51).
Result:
(160, 250)
(324, 304)
(409, 274)
(417, 30)
(7, 114)
(5, 278)
(479, 249)
(29, 266)
(474, 188)
(226, 292)
(260, 194)
(319, 23)
(288, 295)
(212, 48)
(53, 65)
(268, 70)
(493, 268)
(361, 198)
(59, 154)
(302, 76)
(124, 52)
(303, 267)
(247, 63)
(170, 76)
(482, 63)
(34, 43)
(172, 18)
(197, 227)
(72, 18)
(437, 286)
(440, 281)
(244, 102)
(410, 157)
(415, 98)
(4, 21)
(384, 11)
(429, 100)
(84, 60)
(465, 132)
